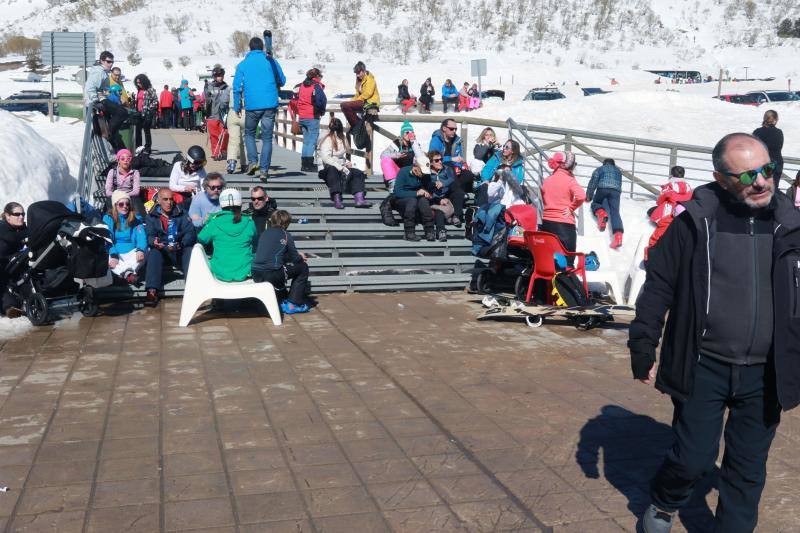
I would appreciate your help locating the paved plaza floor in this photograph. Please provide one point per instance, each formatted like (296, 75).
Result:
(374, 412)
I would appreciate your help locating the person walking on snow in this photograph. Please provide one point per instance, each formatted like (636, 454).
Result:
(725, 273)
(256, 83)
(604, 190)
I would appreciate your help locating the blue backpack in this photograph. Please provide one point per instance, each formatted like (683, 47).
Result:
(320, 100)
(489, 234)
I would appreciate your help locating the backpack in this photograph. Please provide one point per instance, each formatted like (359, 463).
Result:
(568, 290)
(386, 211)
(360, 135)
(319, 100)
(489, 232)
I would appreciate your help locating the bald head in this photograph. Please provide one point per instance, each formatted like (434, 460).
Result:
(738, 153)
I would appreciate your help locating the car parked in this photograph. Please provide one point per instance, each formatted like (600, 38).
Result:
(22, 102)
(493, 93)
(544, 93)
(775, 96)
(590, 91)
(743, 99)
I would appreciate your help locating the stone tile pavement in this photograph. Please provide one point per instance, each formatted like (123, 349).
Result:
(375, 412)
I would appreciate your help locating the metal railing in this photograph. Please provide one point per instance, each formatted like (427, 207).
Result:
(94, 159)
(645, 163)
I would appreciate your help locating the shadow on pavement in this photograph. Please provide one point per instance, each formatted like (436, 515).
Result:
(632, 448)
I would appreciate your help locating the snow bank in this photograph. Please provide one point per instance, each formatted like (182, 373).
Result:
(33, 168)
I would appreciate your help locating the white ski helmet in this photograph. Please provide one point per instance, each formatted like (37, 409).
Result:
(230, 198)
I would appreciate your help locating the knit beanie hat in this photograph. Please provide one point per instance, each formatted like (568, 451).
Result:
(119, 195)
(123, 152)
(406, 127)
(561, 160)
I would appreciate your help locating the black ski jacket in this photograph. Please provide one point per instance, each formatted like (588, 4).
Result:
(678, 281)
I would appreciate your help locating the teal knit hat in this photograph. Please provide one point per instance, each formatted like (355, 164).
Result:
(406, 127)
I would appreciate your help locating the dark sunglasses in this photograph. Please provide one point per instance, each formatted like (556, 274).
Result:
(507, 147)
(166, 199)
(259, 198)
(198, 164)
(123, 204)
(748, 177)
(19, 214)
(436, 160)
(454, 128)
(215, 187)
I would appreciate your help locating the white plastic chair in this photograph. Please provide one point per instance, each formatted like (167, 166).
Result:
(636, 272)
(201, 286)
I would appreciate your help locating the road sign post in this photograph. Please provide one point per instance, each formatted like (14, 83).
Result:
(66, 48)
(478, 68)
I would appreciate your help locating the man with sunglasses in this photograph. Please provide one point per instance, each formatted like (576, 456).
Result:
(95, 93)
(448, 143)
(727, 270)
(261, 207)
(207, 202)
(170, 237)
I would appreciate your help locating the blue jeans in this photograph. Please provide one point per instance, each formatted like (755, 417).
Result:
(608, 199)
(310, 127)
(251, 120)
(154, 270)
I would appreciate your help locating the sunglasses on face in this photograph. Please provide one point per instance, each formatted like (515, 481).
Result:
(507, 147)
(259, 198)
(453, 128)
(197, 164)
(436, 160)
(748, 177)
(109, 61)
(18, 214)
(123, 204)
(215, 187)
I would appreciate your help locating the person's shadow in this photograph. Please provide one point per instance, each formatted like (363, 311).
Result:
(633, 448)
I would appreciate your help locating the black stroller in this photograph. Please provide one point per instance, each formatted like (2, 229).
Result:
(65, 259)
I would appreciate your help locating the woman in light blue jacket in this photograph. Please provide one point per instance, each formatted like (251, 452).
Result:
(129, 241)
(510, 155)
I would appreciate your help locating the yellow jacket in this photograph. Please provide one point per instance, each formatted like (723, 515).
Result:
(367, 90)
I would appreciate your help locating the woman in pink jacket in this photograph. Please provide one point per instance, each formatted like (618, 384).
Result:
(562, 196)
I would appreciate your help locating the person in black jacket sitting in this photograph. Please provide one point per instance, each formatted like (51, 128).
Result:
(277, 260)
(261, 207)
(726, 274)
(13, 233)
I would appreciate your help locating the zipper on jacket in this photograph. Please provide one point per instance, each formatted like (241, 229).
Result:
(708, 261)
(752, 233)
(796, 276)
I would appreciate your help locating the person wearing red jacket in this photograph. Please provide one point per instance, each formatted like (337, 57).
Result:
(668, 205)
(165, 102)
(562, 196)
(305, 107)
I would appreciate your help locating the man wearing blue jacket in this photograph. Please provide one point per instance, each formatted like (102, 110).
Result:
(448, 143)
(449, 95)
(256, 83)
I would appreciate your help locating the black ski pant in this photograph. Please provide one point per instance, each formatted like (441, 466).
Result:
(338, 183)
(143, 127)
(566, 233)
(165, 121)
(297, 272)
(449, 100)
(115, 115)
(748, 393)
(412, 206)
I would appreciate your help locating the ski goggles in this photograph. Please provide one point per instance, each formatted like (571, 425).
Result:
(749, 176)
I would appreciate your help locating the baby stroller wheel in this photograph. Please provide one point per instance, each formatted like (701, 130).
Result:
(87, 304)
(521, 287)
(36, 308)
(484, 281)
(534, 321)
(585, 323)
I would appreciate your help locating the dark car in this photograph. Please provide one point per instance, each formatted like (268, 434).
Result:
(20, 103)
(545, 93)
(493, 93)
(589, 91)
(742, 99)
(774, 96)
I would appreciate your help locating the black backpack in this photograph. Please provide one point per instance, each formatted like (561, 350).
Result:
(360, 135)
(568, 290)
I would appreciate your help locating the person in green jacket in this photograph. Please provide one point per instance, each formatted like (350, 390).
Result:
(233, 237)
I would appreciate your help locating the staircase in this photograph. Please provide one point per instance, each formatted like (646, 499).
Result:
(348, 249)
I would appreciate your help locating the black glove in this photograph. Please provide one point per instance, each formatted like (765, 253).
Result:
(641, 363)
